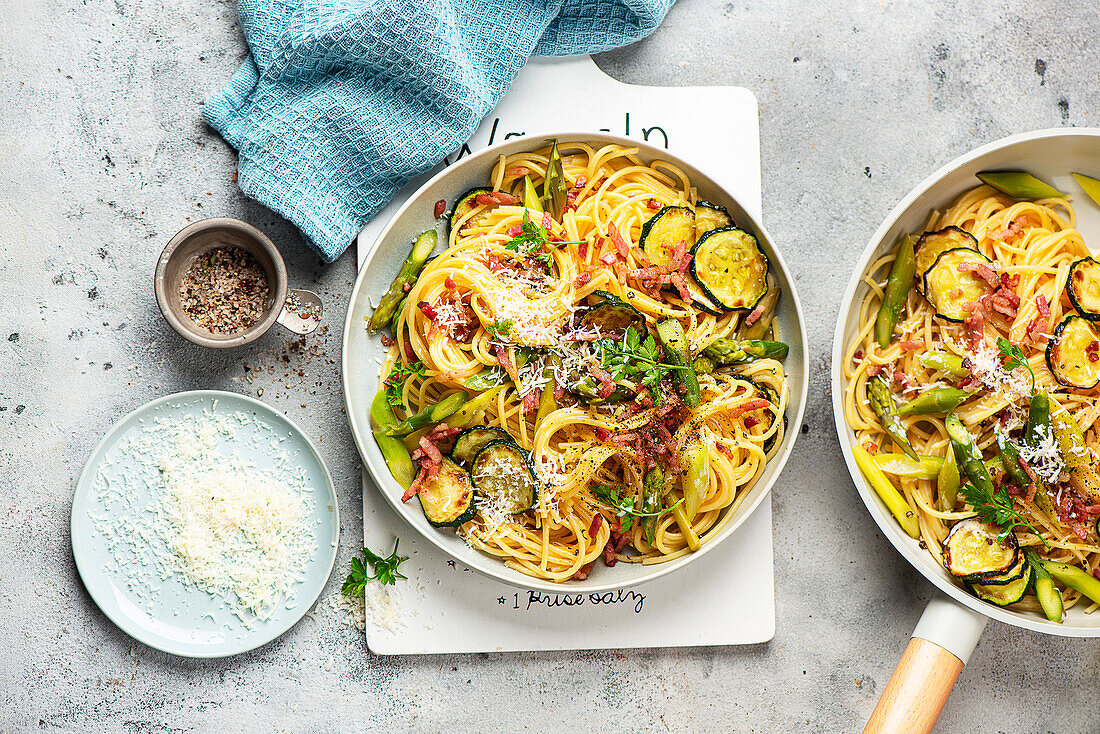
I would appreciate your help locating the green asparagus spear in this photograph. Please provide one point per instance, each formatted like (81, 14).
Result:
(678, 352)
(393, 449)
(530, 196)
(702, 365)
(896, 292)
(948, 481)
(431, 414)
(1038, 419)
(949, 364)
(759, 328)
(886, 491)
(1010, 457)
(393, 299)
(1074, 578)
(1050, 599)
(900, 465)
(968, 455)
(553, 185)
(653, 500)
(730, 351)
(1020, 185)
(696, 463)
(878, 394)
(547, 402)
(939, 400)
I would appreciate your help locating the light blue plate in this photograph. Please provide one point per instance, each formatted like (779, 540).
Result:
(167, 613)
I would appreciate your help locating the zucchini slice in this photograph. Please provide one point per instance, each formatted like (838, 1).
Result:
(1013, 574)
(1003, 594)
(473, 440)
(710, 216)
(448, 498)
(1083, 287)
(701, 300)
(1073, 353)
(948, 289)
(971, 551)
(730, 267)
(464, 205)
(612, 316)
(669, 226)
(933, 244)
(504, 477)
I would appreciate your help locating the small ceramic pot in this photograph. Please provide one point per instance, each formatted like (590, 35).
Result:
(298, 310)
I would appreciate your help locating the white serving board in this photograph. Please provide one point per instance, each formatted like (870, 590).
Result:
(724, 598)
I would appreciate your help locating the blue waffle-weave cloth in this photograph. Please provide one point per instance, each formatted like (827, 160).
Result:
(342, 102)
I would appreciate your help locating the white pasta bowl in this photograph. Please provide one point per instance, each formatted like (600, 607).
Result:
(1049, 154)
(362, 356)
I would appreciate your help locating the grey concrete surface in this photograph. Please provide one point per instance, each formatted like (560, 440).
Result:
(103, 156)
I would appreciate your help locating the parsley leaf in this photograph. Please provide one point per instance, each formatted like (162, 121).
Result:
(624, 506)
(383, 570)
(996, 508)
(533, 242)
(1014, 358)
(398, 374)
(500, 326)
(635, 360)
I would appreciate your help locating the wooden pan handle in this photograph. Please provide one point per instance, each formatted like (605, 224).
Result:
(917, 691)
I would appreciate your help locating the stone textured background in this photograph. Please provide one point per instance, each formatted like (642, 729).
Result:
(103, 156)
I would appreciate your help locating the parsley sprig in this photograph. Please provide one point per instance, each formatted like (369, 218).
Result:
(499, 327)
(636, 360)
(396, 379)
(996, 508)
(1013, 358)
(383, 570)
(533, 242)
(624, 506)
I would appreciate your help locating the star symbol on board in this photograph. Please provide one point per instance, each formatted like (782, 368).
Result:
(451, 563)
(501, 600)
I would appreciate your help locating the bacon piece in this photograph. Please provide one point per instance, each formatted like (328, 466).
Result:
(449, 284)
(583, 571)
(501, 197)
(1041, 304)
(875, 370)
(609, 258)
(912, 345)
(410, 353)
(608, 384)
(580, 182)
(754, 315)
(748, 407)
(582, 279)
(514, 231)
(969, 383)
(974, 324)
(751, 422)
(649, 273)
(601, 433)
(624, 439)
(516, 171)
(582, 250)
(416, 486)
(653, 204)
(900, 378)
(547, 221)
(430, 450)
(1033, 487)
(427, 309)
(506, 362)
(681, 286)
(678, 253)
(486, 200)
(617, 240)
(386, 341)
(597, 523)
(440, 208)
(531, 400)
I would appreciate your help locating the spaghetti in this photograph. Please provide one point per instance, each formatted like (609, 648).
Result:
(549, 337)
(1016, 257)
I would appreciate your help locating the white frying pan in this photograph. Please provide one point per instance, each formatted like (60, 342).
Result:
(953, 621)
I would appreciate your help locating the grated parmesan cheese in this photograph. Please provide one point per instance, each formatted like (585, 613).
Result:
(213, 521)
(1045, 457)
